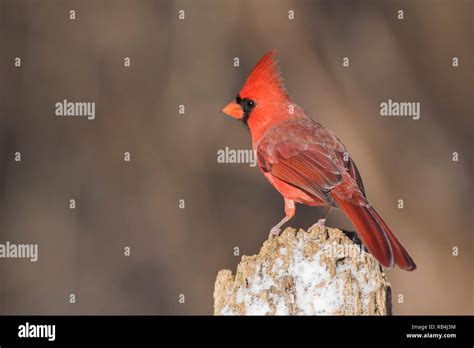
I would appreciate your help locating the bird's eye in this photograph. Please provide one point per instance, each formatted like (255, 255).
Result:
(250, 103)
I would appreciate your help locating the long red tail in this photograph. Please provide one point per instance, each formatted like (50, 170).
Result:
(376, 235)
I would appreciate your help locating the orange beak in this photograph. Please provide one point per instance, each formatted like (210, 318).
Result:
(233, 109)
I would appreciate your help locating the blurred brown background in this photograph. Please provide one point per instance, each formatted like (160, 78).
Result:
(179, 251)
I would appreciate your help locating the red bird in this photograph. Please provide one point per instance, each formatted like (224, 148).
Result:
(307, 163)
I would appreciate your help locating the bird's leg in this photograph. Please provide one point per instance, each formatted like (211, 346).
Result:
(290, 211)
(321, 224)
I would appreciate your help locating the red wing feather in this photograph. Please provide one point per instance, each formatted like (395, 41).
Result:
(300, 171)
(295, 156)
(369, 230)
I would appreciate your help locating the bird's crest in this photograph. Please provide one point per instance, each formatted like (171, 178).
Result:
(265, 79)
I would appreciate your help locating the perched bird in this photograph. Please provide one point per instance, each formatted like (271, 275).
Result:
(306, 162)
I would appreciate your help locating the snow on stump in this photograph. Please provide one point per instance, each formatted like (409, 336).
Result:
(321, 272)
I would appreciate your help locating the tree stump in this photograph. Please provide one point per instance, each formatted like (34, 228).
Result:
(320, 272)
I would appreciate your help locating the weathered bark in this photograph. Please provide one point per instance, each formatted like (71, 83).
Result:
(317, 272)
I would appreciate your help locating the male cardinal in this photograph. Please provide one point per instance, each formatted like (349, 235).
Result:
(306, 162)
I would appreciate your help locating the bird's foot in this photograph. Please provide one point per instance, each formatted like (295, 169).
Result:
(274, 232)
(321, 225)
